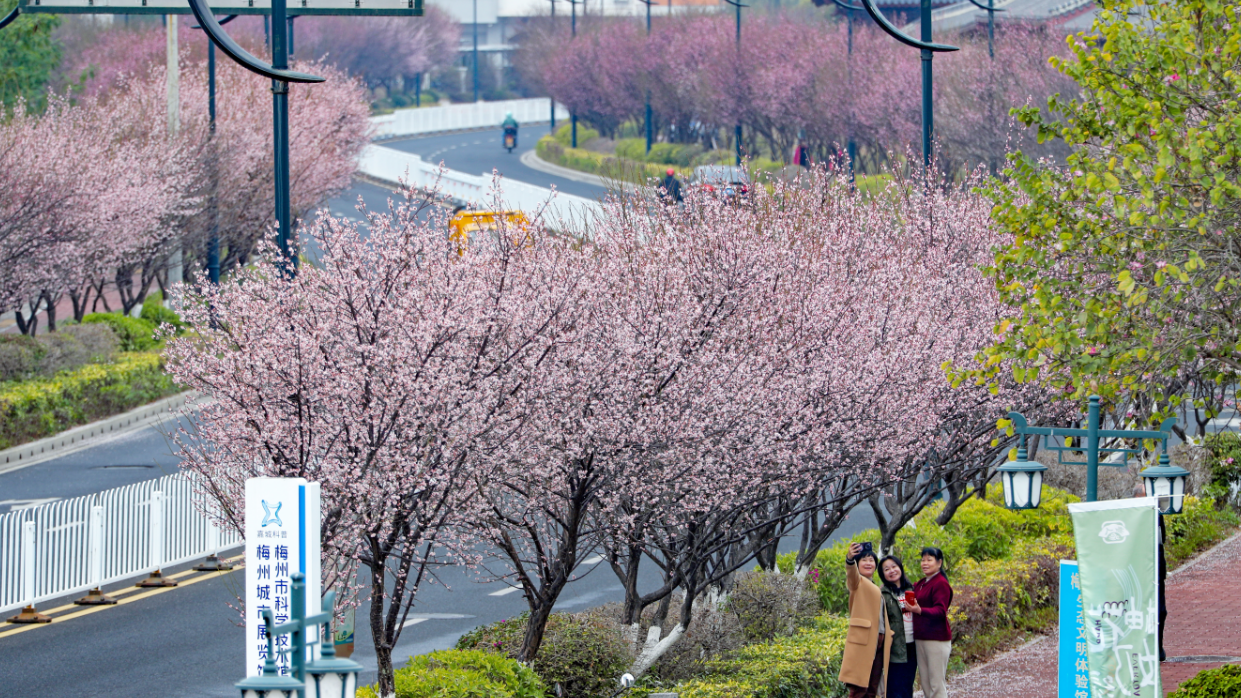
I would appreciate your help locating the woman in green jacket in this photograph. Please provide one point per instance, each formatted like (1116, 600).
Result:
(903, 661)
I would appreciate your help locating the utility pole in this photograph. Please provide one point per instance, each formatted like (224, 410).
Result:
(737, 129)
(550, 99)
(650, 131)
(573, 114)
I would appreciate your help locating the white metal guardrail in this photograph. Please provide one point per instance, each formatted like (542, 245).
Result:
(75, 545)
(462, 117)
(563, 211)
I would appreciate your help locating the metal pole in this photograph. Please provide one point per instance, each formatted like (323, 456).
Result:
(991, 28)
(551, 100)
(928, 125)
(737, 130)
(213, 231)
(852, 144)
(297, 614)
(292, 52)
(1092, 450)
(280, 133)
(647, 115)
(573, 114)
(475, 50)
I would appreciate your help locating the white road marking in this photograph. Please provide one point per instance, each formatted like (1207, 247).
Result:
(19, 504)
(594, 560)
(505, 591)
(412, 621)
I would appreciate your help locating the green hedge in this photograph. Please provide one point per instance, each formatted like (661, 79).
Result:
(805, 664)
(1224, 454)
(463, 674)
(1220, 682)
(135, 334)
(34, 409)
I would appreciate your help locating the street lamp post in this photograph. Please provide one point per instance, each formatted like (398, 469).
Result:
(647, 114)
(991, 10)
(851, 145)
(737, 129)
(928, 49)
(213, 225)
(551, 100)
(475, 50)
(1164, 480)
(573, 114)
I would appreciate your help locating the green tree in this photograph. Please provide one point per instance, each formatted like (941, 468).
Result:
(28, 55)
(1125, 260)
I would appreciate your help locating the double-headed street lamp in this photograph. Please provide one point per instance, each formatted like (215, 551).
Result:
(928, 49)
(991, 10)
(1023, 479)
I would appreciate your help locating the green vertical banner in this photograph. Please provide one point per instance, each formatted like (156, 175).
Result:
(1117, 553)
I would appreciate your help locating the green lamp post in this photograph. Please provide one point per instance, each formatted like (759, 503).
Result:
(270, 684)
(1164, 480)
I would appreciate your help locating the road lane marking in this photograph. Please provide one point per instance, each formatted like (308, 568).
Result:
(86, 611)
(593, 561)
(505, 592)
(411, 621)
(8, 629)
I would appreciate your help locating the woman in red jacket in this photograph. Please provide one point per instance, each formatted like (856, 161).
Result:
(932, 636)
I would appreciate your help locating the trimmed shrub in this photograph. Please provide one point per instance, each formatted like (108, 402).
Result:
(1224, 460)
(805, 664)
(1220, 682)
(564, 134)
(134, 334)
(1200, 525)
(154, 312)
(582, 653)
(463, 674)
(770, 605)
(75, 346)
(37, 408)
(19, 356)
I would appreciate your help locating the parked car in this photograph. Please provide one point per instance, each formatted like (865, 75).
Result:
(727, 181)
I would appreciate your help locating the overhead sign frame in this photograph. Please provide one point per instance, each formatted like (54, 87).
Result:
(372, 8)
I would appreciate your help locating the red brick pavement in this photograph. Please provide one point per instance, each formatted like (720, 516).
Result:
(1202, 622)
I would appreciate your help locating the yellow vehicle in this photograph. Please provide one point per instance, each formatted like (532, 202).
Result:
(464, 227)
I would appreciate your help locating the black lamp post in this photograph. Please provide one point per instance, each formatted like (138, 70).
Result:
(737, 128)
(928, 49)
(551, 100)
(851, 145)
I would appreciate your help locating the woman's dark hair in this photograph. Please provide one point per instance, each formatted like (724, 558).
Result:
(867, 553)
(938, 555)
(903, 584)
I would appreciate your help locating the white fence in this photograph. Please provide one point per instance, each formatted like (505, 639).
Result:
(562, 212)
(462, 117)
(74, 545)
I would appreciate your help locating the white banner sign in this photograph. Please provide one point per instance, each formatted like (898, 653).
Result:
(282, 538)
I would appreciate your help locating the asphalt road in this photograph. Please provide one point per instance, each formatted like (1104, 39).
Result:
(185, 641)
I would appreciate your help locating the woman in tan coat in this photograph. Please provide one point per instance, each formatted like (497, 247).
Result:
(869, 638)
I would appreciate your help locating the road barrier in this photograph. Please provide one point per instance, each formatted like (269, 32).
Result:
(560, 212)
(462, 117)
(79, 544)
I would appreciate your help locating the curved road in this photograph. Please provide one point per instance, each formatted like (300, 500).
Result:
(185, 641)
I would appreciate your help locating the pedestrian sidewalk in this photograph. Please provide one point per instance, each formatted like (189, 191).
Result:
(1203, 631)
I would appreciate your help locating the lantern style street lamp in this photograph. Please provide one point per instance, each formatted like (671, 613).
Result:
(1164, 480)
(1167, 482)
(329, 676)
(270, 684)
(1022, 480)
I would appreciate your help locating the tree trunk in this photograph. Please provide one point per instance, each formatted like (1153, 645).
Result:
(381, 635)
(535, 628)
(51, 311)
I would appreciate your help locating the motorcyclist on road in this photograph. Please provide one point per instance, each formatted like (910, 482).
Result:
(510, 129)
(672, 187)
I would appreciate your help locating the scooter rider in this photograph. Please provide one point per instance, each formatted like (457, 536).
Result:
(510, 129)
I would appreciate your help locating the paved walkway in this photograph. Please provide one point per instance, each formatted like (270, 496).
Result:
(1203, 629)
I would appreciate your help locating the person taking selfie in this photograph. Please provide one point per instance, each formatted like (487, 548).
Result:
(870, 630)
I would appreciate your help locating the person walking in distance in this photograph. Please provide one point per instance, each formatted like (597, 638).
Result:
(902, 659)
(672, 188)
(932, 634)
(870, 633)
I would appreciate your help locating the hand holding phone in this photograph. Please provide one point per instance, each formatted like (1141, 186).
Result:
(910, 598)
(867, 548)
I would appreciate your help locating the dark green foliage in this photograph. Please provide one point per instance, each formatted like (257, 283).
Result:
(135, 334)
(28, 55)
(463, 674)
(1197, 528)
(154, 312)
(583, 653)
(1224, 451)
(1220, 682)
(19, 356)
